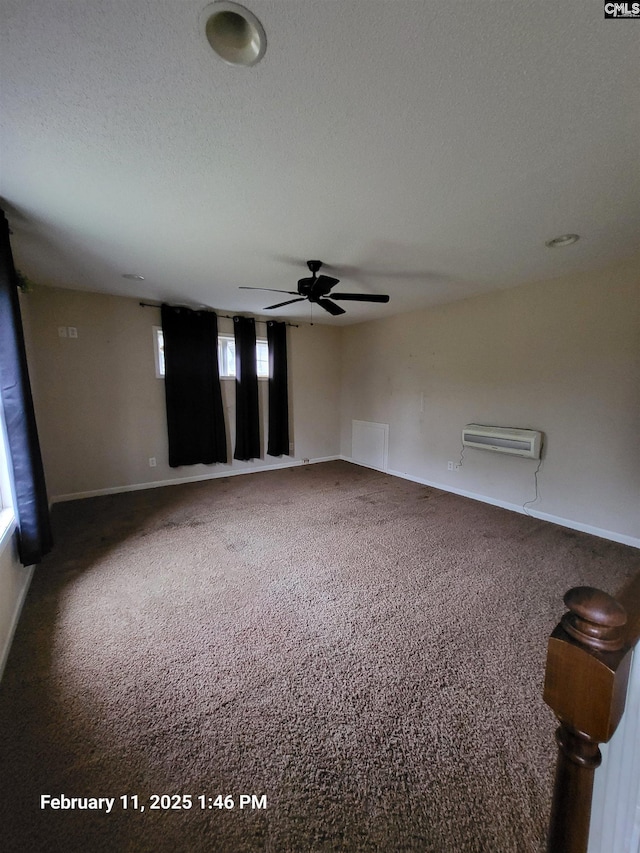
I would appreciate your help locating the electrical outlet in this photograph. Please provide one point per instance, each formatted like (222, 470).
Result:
(152, 462)
(450, 466)
(73, 332)
(305, 461)
(62, 331)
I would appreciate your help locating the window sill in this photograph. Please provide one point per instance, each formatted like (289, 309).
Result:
(230, 378)
(8, 525)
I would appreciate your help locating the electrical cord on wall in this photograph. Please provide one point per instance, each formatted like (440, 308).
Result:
(535, 479)
(537, 497)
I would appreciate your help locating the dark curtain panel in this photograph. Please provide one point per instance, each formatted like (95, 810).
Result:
(32, 508)
(195, 417)
(247, 416)
(278, 443)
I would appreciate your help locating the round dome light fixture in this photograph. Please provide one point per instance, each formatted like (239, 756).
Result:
(234, 33)
(563, 240)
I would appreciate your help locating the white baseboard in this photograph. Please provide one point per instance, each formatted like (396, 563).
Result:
(215, 475)
(612, 535)
(373, 468)
(622, 538)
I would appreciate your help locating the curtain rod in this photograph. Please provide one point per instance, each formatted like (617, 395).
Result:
(227, 316)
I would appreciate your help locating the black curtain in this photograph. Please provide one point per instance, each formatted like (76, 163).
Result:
(195, 417)
(278, 443)
(32, 509)
(247, 416)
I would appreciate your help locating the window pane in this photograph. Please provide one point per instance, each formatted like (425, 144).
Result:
(158, 351)
(6, 496)
(262, 359)
(227, 356)
(229, 346)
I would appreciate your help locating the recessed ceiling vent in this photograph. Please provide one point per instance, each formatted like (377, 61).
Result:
(234, 33)
(517, 442)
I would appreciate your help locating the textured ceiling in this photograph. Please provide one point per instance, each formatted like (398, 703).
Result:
(421, 149)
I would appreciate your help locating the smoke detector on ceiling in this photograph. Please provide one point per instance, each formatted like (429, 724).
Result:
(563, 240)
(234, 33)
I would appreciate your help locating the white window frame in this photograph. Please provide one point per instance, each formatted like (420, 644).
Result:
(262, 358)
(158, 351)
(7, 512)
(226, 355)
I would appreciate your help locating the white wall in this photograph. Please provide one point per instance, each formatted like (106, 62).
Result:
(560, 356)
(101, 410)
(615, 811)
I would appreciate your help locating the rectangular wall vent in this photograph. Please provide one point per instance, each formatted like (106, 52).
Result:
(370, 444)
(517, 442)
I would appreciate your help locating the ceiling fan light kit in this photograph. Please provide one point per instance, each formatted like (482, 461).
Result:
(315, 288)
(234, 33)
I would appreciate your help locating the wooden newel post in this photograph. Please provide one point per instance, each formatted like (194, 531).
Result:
(585, 686)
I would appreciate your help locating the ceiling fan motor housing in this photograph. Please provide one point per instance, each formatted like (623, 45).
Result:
(316, 286)
(305, 285)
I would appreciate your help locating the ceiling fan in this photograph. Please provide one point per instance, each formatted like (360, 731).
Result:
(316, 288)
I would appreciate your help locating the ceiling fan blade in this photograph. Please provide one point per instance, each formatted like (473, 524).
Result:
(331, 307)
(361, 297)
(322, 285)
(270, 289)
(327, 281)
(288, 302)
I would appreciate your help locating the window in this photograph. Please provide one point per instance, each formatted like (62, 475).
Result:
(6, 492)
(262, 358)
(158, 351)
(226, 355)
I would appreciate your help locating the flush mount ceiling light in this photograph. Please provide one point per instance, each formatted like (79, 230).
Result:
(133, 276)
(563, 240)
(234, 33)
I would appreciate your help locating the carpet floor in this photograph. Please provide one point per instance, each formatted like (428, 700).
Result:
(362, 655)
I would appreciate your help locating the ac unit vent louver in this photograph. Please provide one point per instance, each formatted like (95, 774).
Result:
(517, 442)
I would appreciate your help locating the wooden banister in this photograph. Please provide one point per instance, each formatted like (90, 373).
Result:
(588, 660)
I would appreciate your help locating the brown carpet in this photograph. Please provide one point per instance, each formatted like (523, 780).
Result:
(365, 652)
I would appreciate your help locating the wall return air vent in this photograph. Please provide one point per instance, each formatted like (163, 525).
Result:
(518, 442)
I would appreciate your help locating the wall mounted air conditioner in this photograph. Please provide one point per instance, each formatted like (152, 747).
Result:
(518, 442)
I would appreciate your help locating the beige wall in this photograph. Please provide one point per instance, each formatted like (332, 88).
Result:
(560, 356)
(101, 410)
